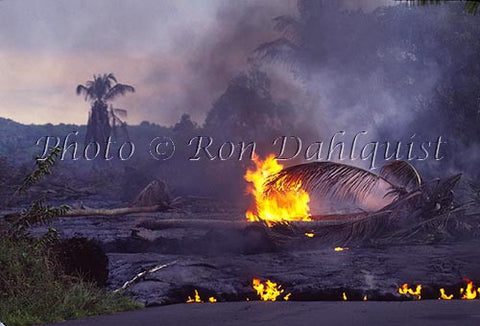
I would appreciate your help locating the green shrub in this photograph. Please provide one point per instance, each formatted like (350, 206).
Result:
(34, 290)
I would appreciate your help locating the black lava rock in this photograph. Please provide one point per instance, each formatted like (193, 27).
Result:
(82, 257)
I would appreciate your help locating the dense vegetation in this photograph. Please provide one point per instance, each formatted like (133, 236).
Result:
(34, 289)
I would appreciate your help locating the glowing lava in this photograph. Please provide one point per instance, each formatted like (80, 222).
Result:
(268, 291)
(195, 299)
(470, 293)
(283, 205)
(444, 296)
(417, 293)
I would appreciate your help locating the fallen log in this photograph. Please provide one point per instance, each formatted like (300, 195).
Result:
(114, 211)
(141, 275)
(86, 212)
(237, 223)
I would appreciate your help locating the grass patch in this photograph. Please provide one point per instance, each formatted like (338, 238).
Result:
(34, 290)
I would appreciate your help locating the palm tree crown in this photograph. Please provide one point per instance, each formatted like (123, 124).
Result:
(103, 88)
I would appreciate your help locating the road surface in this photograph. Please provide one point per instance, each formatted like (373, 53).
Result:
(425, 313)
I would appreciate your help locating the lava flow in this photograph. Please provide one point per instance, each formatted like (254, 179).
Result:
(268, 291)
(283, 205)
(469, 293)
(444, 296)
(417, 293)
(197, 299)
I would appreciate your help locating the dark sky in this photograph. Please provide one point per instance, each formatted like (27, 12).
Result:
(179, 55)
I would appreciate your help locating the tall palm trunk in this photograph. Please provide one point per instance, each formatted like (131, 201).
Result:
(98, 127)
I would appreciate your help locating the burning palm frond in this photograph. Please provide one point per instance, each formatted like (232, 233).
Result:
(329, 179)
(422, 212)
(342, 181)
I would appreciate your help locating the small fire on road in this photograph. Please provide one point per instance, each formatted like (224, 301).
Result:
(444, 296)
(469, 293)
(269, 291)
(196, 298)
(417, 293)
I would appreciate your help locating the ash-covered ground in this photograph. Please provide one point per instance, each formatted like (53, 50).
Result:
(213, 249)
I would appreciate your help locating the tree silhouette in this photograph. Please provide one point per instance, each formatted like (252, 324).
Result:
(102, 120)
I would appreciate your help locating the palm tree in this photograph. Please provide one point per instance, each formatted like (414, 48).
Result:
(99, 91)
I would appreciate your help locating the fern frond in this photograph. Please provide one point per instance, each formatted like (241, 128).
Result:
(43, 168)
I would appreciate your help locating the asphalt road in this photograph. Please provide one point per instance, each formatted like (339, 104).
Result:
(423, 313)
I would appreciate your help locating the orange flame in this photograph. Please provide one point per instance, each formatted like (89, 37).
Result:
(470, 293)
(195, 299)
(269, 291)
(406, 290)
(444, 296)
(287, 204)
